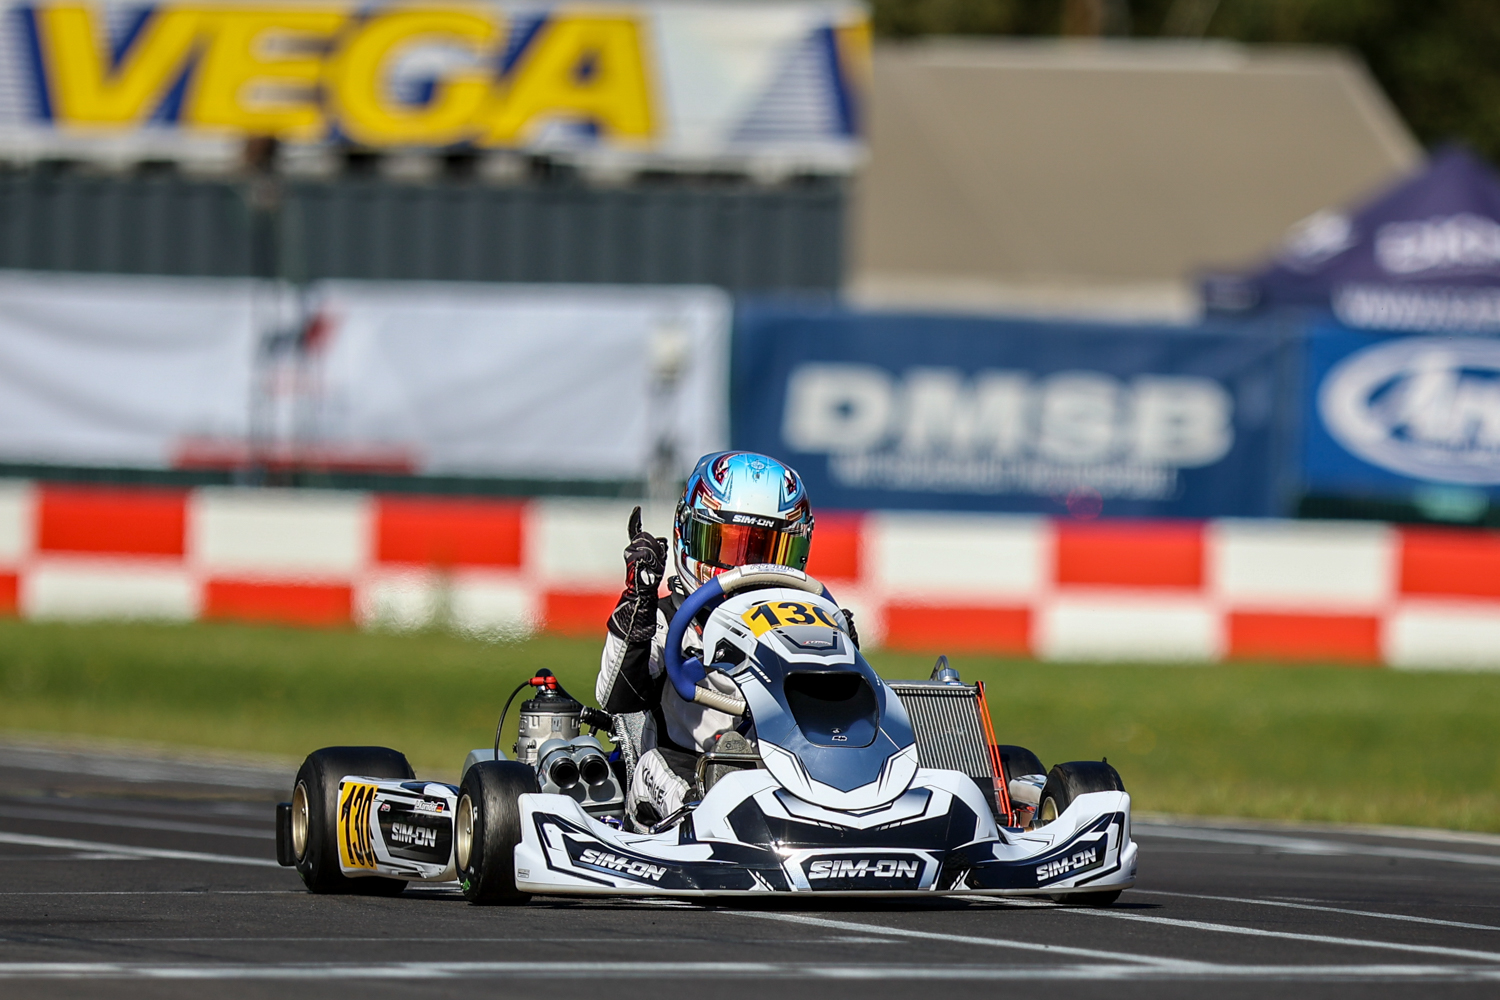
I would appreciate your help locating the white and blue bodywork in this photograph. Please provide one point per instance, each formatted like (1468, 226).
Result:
(839, 802)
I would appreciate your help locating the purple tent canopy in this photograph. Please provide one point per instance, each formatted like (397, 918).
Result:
(1424, 255)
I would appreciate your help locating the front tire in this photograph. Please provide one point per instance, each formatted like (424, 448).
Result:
(1065, 782)
(487, 828)
(315, 804)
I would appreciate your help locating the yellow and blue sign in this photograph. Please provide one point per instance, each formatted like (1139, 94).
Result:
(657, 78)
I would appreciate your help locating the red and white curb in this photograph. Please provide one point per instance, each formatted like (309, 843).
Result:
(1028, 586)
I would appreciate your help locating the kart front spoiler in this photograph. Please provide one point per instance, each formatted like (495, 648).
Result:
(564, 851)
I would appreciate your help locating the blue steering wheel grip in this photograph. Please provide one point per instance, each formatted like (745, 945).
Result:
(685, 675)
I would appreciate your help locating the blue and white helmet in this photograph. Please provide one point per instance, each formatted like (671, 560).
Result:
(739, 509)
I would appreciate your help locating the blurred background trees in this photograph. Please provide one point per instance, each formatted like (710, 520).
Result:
(1436, 58)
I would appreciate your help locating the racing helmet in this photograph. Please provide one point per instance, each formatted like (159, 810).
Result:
(740, 508)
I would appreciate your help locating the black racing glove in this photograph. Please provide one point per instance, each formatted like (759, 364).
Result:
(849, 621)
(634, 618)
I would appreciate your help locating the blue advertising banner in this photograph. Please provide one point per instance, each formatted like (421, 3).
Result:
(963, 413)
(1389, 414)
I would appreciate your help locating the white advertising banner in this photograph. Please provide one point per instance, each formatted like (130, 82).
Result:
(544, 382)
(117, 371)
(528, 381)
(665, 83)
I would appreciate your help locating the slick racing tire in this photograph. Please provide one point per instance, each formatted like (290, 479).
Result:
(315, 805)
(1018, 761)
(1065, 782)
(487, 828)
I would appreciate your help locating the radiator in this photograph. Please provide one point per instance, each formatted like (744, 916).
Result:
(950, 734)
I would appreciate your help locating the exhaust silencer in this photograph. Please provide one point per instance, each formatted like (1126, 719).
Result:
(562, 771)
(565, 763)
(556, 765)
(588, 754)
(592, 767)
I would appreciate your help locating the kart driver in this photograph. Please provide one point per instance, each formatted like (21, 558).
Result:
(739, 509)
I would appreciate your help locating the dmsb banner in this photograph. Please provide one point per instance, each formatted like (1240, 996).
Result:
(927, 412)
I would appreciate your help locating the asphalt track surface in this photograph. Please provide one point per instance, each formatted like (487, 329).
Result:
(126, 876)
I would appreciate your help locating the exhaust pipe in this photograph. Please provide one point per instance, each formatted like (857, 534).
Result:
(562, 771)
(592, 767)
(567, 763)
(556, 764)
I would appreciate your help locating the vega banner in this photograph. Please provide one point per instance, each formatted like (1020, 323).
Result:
(928, 412)
(1388, 414)
(695, 82)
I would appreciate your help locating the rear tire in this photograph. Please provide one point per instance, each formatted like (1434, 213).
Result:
(315, 804)
(1018, 761)
(487, 828)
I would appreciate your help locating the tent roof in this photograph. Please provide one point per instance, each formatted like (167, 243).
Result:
(1440, 227)
(998, 164)
(1423, 255)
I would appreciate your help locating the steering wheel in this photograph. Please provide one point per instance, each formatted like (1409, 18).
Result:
(686, 674)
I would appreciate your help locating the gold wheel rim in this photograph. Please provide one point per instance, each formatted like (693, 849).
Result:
(463, 838)
(1048, 812)
(299, 821)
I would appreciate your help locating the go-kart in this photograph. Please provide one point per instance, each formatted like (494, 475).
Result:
(844, 784)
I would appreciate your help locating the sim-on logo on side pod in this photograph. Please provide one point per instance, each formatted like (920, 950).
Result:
(417, 836)
(1086, 858)
(848, 868)
(625, 866)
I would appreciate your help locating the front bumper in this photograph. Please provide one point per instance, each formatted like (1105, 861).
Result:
(566, 852)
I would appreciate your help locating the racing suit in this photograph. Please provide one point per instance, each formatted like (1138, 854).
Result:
(633, 679)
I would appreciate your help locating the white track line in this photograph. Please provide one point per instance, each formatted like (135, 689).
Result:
(1323, 909)
(1155, 819)
(158, 892)
(735, 970)
(110, 762)
(12, 859)
(883, 931)
(109, 819)
(1201, 925)
(60, 843)
(385, 939)
(1309, 845)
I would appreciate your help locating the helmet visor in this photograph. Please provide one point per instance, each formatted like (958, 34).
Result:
(729, 545)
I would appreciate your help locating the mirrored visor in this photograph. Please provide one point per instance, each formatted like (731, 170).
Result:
(731, 545)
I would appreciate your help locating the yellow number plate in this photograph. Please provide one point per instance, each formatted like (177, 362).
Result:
(355, 847)
(775, 614)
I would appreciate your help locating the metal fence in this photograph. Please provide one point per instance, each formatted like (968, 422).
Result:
(141, 225)
(736, 235)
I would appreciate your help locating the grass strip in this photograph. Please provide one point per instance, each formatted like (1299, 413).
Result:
(1329, 744)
